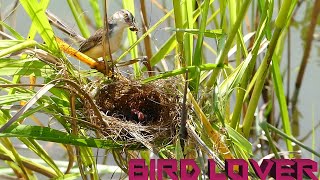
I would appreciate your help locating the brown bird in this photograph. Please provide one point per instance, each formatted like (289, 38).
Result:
(92, 46)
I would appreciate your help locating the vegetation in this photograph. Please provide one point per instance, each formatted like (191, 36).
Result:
(220, 69)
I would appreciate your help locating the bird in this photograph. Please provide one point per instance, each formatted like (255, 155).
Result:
(92, 46)
(117, 23)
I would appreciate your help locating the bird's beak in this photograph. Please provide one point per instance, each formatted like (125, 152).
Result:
(133, 27)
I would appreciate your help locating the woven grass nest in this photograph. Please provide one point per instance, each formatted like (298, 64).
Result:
(139, 113)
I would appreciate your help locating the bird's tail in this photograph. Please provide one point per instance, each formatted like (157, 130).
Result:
(55, 21)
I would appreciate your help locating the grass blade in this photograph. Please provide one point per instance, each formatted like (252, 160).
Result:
(39, 18)
(28, 105)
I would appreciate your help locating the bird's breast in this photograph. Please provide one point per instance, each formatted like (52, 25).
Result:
(114, 41)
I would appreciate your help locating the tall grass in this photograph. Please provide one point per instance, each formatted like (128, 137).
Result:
(230, 50)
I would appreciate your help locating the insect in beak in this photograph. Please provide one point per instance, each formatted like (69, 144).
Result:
(133, 28)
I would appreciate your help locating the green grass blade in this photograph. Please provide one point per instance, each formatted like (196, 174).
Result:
(188, 41)
(9, 43)
(215, 33)
(129, 5)
(37, 167)
(52, 135)
(14, 155)
(33, 29)
(179, 20)
(197, 58)
(284, 135)
(168, 46)
(96, 13)
(12, 98)
(28, 105)
(226, 48)
(263, 69)
(39, 18)
(12, 31)
(277, 79)
(79, 19)
(239, 140)
(235, 121)
(228, 85)
(17, 47)
(25, 67)
(204, 67)
(36, 148)
(164, 50)
(264, 126)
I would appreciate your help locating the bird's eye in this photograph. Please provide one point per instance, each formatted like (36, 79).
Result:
(126, 17)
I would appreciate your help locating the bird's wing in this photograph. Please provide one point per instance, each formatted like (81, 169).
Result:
(92, 41)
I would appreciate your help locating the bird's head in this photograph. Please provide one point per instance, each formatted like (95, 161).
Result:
(124, 18)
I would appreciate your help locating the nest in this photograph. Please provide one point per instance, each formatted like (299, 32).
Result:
(135, 112)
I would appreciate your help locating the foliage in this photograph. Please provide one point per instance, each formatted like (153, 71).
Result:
(228, 53)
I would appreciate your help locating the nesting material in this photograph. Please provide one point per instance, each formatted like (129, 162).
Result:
(139, 112)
